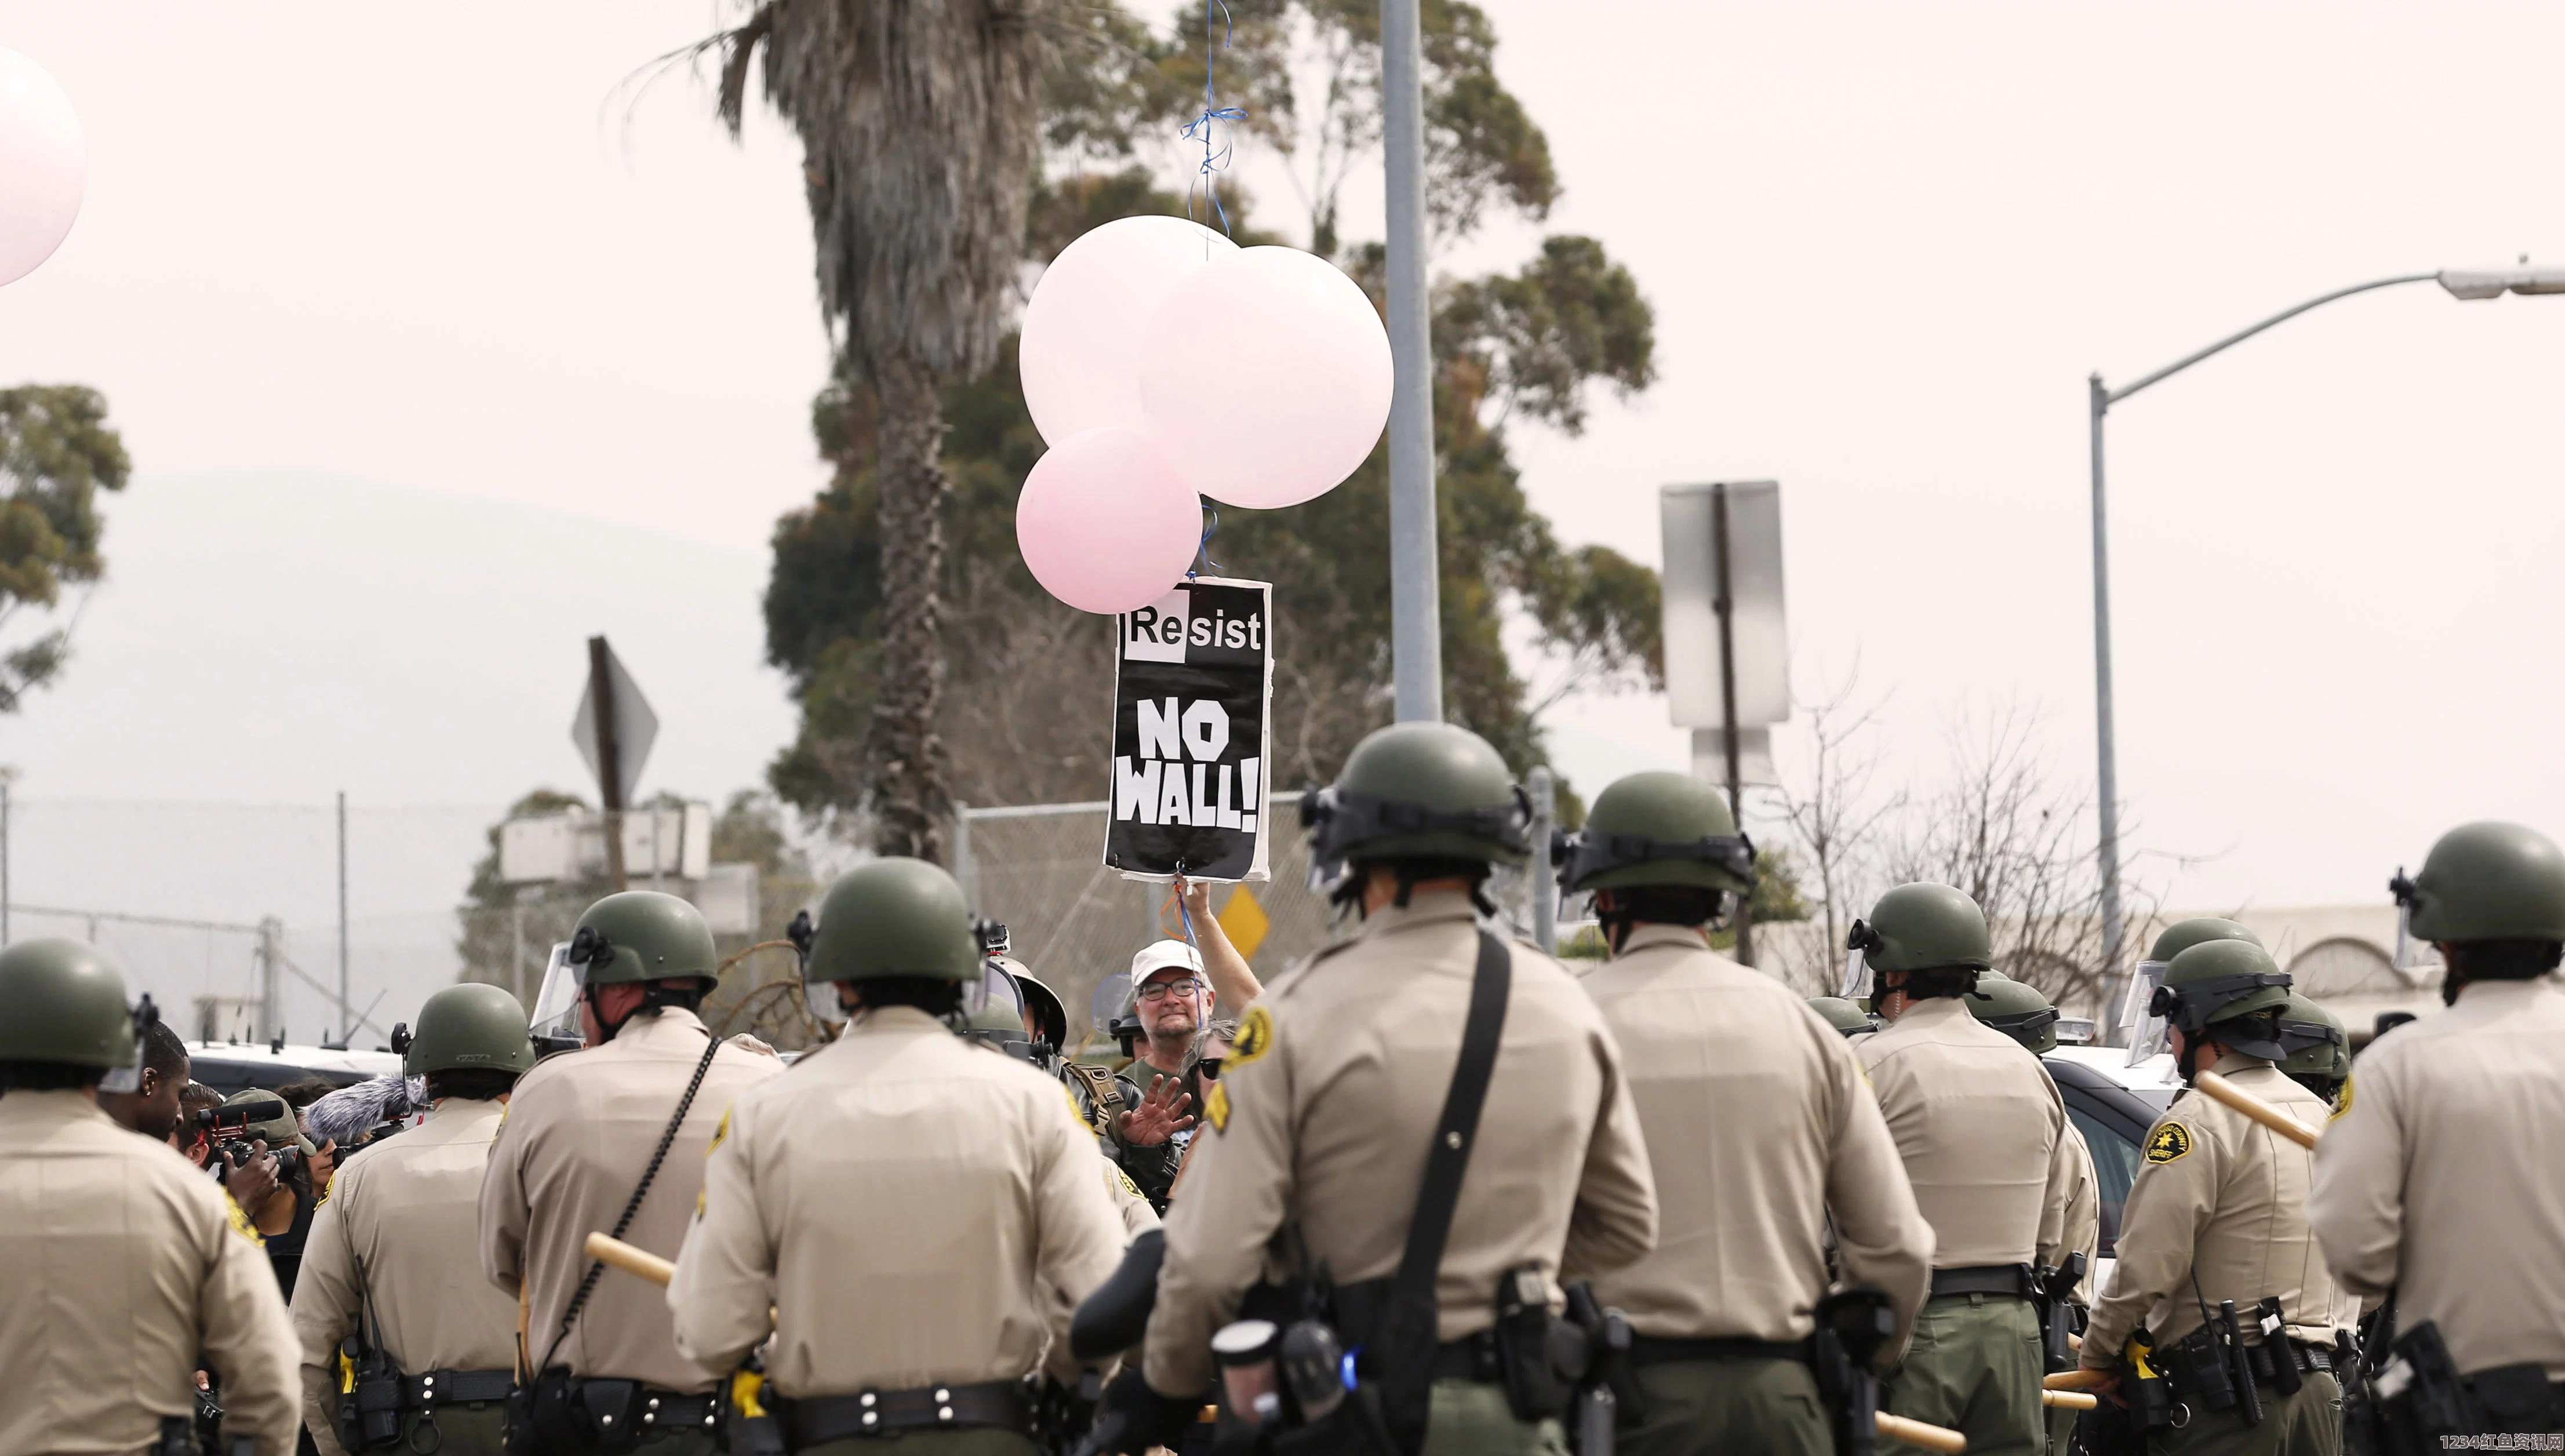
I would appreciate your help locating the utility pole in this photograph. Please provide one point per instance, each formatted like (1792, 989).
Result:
(346, 1022)
(1725, 604)
(610, 760)
(1415, 570)
(271, 989)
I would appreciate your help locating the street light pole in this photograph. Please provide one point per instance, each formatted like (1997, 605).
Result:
(2484, 284)
(1415, 566)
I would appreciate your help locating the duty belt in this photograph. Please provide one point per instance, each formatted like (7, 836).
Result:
(2309, 1358)
(1648, 1349)
(2012, 1279)
(1470, 1357)
(455, 1387)
(809, 1422)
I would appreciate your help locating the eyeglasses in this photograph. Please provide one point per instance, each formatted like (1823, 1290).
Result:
(1161, 990)
(1209, 1067)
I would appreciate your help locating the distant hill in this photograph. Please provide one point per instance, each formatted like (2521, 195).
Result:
(267, 638)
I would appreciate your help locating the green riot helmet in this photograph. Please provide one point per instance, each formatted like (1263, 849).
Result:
(1658, 829)
(2318, 1043)
(1843, 1015)
(2146, 1029)
(2018, 1010)
(2228, 990)
(2486, 881)
(637, 935)
(1415, 791)
(467, 1028)
(1919, 927)
(891, 917)
(66, 1007)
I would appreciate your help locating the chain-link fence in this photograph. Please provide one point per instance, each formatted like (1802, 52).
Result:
(228, 913)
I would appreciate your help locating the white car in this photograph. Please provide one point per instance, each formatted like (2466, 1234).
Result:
(2113, 1104)
(230, 1067)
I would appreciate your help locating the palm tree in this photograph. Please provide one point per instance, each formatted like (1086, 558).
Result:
(921, 125)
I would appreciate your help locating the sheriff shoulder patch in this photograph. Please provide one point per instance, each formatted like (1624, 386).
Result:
(1127, 1185)
(2168, 1144)
(1255, 1039)
(2344, 1106)
(721, 1134)
(241, 1224)
(1216, 1107)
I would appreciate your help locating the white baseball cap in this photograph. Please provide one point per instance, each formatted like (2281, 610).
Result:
(1161, 956)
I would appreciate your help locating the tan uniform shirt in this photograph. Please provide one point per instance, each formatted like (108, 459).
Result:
(2082, 1214)
(1758, 1122)
(579, 1131)
(896, 1200)
(1329, 1098)
(1982, 1134)
(2444, 1176)
(119, 1264)
(408, 1210)
(2220, 1199)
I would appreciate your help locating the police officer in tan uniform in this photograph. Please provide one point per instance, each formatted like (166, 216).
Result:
(1987, 1146)
(2218, 1215)
(1320, 1125)
(1759, 1123)
(921, 1214)
(393, 1258)
(2442, 1180)
(585, 1131)
(2025, 1013)
(119, 1261)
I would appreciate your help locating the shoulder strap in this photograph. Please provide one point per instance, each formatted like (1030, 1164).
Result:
(1101, 1089)
(659, 1155)
(1407, 1336)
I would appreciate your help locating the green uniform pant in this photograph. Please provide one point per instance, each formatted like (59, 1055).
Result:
(1755, 1407)
(1975, 1366)
(978, 1441)
(1473, 1418)
(458, 1431)
(2308, 1423)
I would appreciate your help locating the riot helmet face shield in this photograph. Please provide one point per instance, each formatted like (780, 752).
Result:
(2147, 1028)
(819, 998)
(554, 1024)
(127, 1078)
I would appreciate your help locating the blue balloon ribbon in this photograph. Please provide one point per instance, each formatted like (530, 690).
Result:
(1200, 129)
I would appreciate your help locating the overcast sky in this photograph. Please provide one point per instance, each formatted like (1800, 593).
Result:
(455, 249)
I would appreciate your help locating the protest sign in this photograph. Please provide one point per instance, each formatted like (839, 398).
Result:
(1193, 687)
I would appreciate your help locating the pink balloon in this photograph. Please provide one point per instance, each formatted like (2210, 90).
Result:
(1266, 378)
(44, 166)
(1079, 358)
(1105, 524)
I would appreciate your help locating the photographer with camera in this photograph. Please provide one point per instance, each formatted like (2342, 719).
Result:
(268, 1170)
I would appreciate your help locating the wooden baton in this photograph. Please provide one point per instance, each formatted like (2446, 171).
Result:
(620, 1255)
(2213, 1086)
(2067, 1400)
(2076, 1379)
(1917, 1433)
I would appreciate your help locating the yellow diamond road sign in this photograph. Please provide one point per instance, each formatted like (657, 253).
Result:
(1245, 921)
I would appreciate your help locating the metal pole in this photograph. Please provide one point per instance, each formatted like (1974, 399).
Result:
(271, 988)
(346, 1023)
(965, 872)
(1545, 883)
(1415, 570)
(610, 760)
(2107, 769)
(2106, 776)
(1723, 605)
(4, 856)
